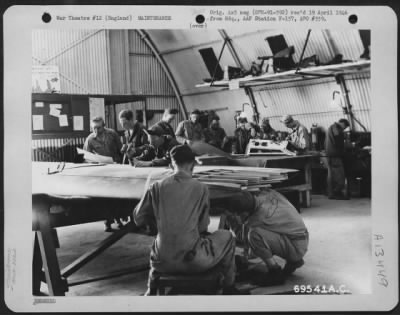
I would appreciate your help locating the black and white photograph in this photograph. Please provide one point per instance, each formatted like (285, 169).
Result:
(205, 161)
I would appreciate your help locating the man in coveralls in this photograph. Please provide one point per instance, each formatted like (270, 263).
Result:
(179, 206)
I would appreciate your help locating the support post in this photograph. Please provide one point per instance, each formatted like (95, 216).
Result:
(340, 80)
(250, 94)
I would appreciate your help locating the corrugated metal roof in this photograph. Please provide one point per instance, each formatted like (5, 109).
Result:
(120, 80)
(137, 44)
(347, 42)
(167, 40)
(80, 55)
(147, 76)
(310, 101)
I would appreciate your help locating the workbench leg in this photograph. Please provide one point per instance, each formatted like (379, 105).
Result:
(307, 198)
(308, 180)
(56, 285)
(37, 265)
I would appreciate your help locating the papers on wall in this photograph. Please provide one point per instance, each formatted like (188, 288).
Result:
(63, 120)
(46, 79)
(55, 110)
(37, 122)
(78, 122)
(39, 104)
(95, 158)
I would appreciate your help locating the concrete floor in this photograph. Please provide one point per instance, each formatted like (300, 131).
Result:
(339, 253)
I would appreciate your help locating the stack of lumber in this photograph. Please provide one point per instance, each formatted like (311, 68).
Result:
(250, 179)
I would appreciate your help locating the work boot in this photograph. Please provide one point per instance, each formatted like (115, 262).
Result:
(241, 263)
(291, 266)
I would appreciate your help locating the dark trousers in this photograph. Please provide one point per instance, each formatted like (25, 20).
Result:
(336, 181)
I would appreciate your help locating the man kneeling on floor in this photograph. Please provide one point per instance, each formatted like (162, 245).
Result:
(271, 226)
(179, 206)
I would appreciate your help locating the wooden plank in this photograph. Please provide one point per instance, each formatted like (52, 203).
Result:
(90, 255)
(46, 242)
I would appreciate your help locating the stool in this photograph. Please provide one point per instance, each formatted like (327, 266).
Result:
(210, 281)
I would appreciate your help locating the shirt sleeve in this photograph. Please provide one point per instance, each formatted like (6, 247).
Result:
(180, 133)
(117, 140)
(87, 146)
(204, 218)
(144, 212)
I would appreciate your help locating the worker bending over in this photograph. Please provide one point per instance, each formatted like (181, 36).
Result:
(270, 225)
(267, 132)
(190, 130)
(157, 152)
(179, 206)
(299, 137)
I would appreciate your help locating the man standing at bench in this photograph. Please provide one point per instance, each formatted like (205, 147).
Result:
(179, 207)
(272, 226)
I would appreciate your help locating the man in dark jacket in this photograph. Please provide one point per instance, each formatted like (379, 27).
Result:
(157, 152)
(242, 137)
(165, 123)
(215, 135)
(134, 135)
(190, 130)
(334, 148)
(267, 132)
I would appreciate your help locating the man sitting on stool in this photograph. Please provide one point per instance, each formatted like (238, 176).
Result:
(179, 206)
(272, 226)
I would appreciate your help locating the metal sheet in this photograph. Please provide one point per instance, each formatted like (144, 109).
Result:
(310, 102)
(119, 69)
(167, 40)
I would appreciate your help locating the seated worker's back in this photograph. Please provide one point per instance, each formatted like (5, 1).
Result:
(179, 205)
(180, 208)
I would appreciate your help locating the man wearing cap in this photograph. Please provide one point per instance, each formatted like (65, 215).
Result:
(298, 138)
(165, 122)
(157, 152)
(215, 135)
(190, 130)
(267, 132)
(134, 135)
(179, 206)
(334, 148)
(103, 141)
(272, 226)
(242, 137)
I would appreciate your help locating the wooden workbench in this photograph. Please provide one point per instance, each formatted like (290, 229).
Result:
(84, 193)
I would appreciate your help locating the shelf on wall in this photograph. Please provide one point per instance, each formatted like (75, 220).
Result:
(294, 75)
